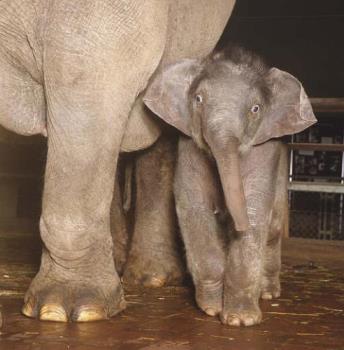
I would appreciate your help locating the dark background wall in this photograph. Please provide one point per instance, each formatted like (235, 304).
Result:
(304, 37)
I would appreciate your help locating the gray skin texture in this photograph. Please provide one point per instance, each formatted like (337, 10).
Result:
(143, 217)
(154, 259)
(231, 105)
(75, 72)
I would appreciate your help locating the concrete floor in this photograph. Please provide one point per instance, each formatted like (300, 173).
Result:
(308, 316)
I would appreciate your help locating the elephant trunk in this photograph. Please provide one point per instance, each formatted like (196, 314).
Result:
(228, 164)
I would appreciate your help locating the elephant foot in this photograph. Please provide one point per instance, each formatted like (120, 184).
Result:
(153, 269)
(271, 288)
(67, 301)
(241, 312)
(209, 297)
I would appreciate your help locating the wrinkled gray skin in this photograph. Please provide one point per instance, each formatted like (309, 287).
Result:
(154, 259)
(146, 244)
(74, 71)
(231, 106)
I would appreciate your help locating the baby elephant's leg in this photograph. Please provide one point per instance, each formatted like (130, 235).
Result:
(245, 262)
(196, 193)
(271, 287)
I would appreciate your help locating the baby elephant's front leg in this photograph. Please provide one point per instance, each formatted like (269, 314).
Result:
(196, 196)
(246, 252)
(242, 279)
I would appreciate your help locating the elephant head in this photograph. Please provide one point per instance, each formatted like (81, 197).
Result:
(227, 103)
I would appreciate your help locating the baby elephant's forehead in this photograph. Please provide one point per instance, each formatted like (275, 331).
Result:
(227, 72)
(225, 79)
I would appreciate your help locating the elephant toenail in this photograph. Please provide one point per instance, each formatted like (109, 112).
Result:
(90, 313)
(249, 321)
(210, 312)
(155, 282)
(53, 312)
(234, 321)
(28, 309)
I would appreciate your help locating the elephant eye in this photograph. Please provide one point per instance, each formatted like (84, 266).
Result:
(199, 98)
(255, 109)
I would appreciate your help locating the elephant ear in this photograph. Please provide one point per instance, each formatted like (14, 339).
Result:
(168, 94)
(289, 110)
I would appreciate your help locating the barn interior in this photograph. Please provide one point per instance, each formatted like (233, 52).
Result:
(303, 38)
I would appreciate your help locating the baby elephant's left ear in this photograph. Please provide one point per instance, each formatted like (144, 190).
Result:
(289, 110)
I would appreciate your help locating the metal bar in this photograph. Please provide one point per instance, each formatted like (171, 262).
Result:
(316, 187)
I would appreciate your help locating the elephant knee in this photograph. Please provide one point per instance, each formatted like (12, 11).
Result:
(67, 238)
(212, 270)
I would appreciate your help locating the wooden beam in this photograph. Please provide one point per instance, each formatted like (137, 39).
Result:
(337, 147)
(328, 105)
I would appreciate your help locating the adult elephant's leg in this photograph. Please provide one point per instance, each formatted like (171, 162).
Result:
(118, 222)
(271, 287)
(77, 278)
(90, 87)
(154, 259)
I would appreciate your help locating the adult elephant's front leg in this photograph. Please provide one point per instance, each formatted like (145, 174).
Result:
(77, 279)
(94, 68)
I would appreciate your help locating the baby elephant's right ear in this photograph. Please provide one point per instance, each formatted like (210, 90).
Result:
(167, 94)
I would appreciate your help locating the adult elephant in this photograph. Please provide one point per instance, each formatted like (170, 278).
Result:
(74, 71)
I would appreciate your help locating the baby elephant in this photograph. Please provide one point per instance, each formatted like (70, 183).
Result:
(231, 107)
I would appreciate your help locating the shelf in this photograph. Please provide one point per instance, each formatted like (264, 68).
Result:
(328, 105)
(327, 187)
(317, 147)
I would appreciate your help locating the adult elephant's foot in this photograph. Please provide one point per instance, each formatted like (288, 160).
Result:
(271, 287)
(153, 267)
(62, 302)
(241, 311)
(209, 296)
(78, 295)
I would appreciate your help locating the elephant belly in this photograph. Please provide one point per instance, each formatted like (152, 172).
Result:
(195, 27)
(22, 103)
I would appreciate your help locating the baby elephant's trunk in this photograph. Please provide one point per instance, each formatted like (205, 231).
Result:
(229, 169)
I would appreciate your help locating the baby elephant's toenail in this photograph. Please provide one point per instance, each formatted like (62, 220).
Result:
(233, 321)
(210, 312)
